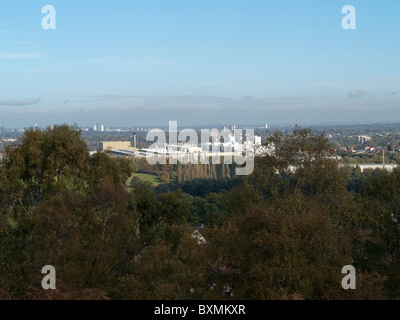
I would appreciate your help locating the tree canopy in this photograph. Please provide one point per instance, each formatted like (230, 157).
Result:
(284, 232)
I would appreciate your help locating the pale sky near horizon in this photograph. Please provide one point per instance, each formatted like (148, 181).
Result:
(143, 63)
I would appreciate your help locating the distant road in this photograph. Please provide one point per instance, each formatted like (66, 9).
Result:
(363, 167)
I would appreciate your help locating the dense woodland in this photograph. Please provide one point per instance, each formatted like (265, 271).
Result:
(276, 234)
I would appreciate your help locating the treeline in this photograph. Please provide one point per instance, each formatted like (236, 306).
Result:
(390, 158)
(279, 234)
(201, 187)
(180, 173)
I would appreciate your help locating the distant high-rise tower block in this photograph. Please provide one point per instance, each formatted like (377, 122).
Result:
(134, 140)
(363, 139)
(257, 140)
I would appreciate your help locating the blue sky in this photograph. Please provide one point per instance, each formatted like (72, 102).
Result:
(199, 62)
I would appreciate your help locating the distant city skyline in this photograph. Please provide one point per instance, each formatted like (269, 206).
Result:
(212, 62)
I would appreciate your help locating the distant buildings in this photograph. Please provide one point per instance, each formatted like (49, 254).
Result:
(363, 139)
(129, 146)
(116, 145)
(100, 128)
(363, 167)
(361, 149)
(8, 139)
(104, 128)
(231, 146)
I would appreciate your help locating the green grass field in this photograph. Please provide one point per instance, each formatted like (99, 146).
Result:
(154, 180)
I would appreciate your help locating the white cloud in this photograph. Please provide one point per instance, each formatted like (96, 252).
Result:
(14, 102)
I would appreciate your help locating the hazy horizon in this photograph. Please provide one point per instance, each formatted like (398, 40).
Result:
(212, 62)
(204, 118)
